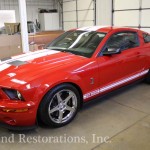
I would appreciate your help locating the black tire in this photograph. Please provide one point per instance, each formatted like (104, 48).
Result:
(45, 112)
(147, 79)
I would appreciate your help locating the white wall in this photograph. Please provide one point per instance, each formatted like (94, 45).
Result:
(132, 18)
(32, 7)
(7, 16)
(78, 13)
(103, 12)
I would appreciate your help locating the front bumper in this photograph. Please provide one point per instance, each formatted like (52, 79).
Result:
(17, 128)
(17, 115)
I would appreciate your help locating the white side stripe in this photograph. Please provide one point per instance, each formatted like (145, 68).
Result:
(115, 84)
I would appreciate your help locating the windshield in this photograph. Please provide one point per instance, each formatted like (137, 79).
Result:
(83, 43)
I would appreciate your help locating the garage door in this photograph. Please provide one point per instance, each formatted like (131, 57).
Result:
(78, 13)
(132, 13)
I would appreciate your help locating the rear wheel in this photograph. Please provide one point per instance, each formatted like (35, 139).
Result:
(59, 106)
(147, 79)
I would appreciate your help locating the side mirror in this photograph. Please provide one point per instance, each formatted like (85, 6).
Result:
(111, 51)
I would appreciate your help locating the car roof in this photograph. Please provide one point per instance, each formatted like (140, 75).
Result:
(106, 29)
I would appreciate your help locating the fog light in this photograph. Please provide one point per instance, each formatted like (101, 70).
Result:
(15, 110)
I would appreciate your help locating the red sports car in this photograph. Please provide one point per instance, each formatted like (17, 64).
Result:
(52, 84)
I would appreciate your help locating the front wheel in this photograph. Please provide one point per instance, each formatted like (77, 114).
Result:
(59, 106)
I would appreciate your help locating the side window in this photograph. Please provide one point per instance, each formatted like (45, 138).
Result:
(123, 40)
(146, 37)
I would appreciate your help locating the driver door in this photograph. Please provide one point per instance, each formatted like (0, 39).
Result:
(119, 67)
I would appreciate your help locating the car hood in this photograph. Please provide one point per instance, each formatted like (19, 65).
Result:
(27, 67)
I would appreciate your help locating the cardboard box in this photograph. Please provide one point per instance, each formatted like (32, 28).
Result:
(10, 45)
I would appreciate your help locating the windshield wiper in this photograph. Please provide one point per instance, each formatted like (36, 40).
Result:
(67, 51)
(62, 50)
(55, 48)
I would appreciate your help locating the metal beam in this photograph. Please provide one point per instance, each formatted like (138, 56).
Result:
(23, 22)
(132, 9)
(94, 9)
(77, 12)
(112, 17)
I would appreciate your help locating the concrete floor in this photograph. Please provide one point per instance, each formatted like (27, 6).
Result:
(123, 117)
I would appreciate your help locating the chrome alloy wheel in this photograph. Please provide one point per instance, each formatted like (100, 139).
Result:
(62, 106)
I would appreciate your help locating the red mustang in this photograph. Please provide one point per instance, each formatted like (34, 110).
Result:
(51, 85)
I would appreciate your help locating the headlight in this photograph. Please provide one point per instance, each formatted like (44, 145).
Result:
(13, 94)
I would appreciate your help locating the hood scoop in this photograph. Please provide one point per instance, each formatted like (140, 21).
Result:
(17, 63)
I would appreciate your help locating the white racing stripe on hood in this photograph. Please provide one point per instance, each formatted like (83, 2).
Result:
(91, 28)
(37, 55)
(29, 56)
(4, 66)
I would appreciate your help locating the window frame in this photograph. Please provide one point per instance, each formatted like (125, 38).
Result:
(125, 31)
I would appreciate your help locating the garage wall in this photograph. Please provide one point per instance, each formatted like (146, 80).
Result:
(32, 7)
(132, 13)
(103, 12)
(78, 13)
